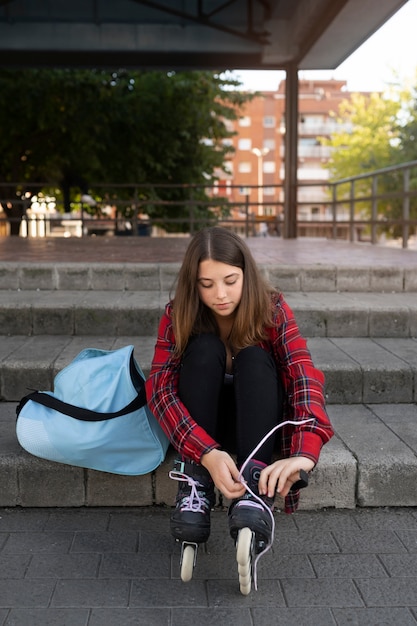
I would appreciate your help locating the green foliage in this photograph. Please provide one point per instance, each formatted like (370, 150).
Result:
(375, 136)
(75, 128)
(368, 142)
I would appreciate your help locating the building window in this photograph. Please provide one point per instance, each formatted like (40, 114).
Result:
(245, 121)
(269, 191)
(245, 167)
(269, 121)
(269, 144)
(244, 191)
(269, 167)
(244, 144)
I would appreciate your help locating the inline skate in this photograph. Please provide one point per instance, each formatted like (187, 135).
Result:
(190, 520)
(251, 523)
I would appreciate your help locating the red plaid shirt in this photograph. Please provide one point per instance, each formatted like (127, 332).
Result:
(303, 384)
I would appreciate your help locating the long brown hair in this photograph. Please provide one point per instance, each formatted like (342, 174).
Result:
(191, 316)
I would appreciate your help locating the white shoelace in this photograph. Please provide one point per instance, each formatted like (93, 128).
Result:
(194, 502)
(258, 499)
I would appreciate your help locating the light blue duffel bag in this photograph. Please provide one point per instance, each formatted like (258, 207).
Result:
(97, 416)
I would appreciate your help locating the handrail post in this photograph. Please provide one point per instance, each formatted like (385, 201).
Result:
(406, 208)
(135, 225)
(374, 211)
(334, 209)
(352, 211)
(247, 216)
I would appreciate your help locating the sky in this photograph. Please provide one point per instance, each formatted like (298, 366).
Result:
(391, 50)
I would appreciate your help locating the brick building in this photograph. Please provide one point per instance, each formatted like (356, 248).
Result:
(259, 152)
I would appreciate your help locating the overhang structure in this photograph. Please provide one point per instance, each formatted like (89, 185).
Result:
(218, 35)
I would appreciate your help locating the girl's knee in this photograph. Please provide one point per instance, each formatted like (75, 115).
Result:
(205, 350)
(253, 356)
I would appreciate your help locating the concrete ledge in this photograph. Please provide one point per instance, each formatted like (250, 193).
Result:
(357, 370)
(101, 312)
(148, 276)
(386, 460)
(371, 461)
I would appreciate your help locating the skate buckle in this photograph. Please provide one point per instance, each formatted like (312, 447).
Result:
(179, 466)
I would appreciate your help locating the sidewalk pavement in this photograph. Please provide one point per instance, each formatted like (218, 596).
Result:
(119, 566)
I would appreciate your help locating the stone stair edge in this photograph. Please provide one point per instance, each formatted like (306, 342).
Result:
(371, 461)
(97, 312)
(299, 277)
(356, 369)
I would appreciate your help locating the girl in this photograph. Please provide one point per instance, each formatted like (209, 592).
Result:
(229, 365)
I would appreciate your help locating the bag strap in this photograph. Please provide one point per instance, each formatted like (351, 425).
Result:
(79, 413)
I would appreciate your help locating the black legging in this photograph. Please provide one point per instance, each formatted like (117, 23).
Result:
(236, 415)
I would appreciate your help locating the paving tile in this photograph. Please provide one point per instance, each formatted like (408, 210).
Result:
(400, 565)
(368, 541)
(373, 617)
(96, 593)
(78, 520)
(310, 541)
(63, 566)
(26, 593)
(408, 538)
(168, 593)
(212, 617)
(13, 565)
(38, 542)
(386, 518)
(334, 519)
(225, 593)
(130, 617)
(347, 565)
(389, 592)
(105, 541)
(321, 592)
(293, 616)
(125, 565)
(48, 617)
(17, 519)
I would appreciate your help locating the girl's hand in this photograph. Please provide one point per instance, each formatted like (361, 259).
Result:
(281, 475)
(224, 473)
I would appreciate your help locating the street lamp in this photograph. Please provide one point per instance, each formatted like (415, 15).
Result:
(260, 153)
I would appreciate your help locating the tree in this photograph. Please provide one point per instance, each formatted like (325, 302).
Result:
(371, 140)
(73, 128)
(408, 147)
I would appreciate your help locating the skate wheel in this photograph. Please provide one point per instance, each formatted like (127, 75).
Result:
(244, 546)
(187, 563)
(243, 557)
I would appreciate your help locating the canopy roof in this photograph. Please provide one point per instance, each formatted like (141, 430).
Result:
(187, 34)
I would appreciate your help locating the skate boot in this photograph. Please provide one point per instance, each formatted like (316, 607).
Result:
(190, 520)
(251, 525)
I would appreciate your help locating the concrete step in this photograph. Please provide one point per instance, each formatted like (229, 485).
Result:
(104, 312)
(357, 369)
(329, 275)
(371, 461)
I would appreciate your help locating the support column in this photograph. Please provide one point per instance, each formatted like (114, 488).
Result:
(291, 156)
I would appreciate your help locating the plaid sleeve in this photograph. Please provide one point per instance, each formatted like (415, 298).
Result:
(304, 390)
(189, 439)
(304, 387)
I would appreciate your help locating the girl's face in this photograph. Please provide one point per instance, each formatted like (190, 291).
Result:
(220, 287)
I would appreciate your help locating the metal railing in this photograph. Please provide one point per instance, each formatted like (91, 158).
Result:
(357, 207)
